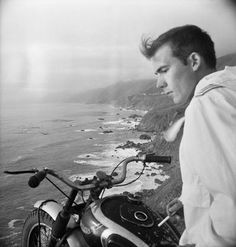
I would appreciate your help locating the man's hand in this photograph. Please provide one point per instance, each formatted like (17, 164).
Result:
(173, 206)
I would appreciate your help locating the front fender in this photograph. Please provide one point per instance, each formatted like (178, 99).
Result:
(75, 239)
(50, 207)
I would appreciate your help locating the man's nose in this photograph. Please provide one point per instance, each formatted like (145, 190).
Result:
(161, 83)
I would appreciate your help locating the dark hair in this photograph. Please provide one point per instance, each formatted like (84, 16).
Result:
(183, 41)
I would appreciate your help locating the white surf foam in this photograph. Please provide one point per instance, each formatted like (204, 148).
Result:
(11, 224)
(86, 130)
(21, 208)
(10, 236)
(116, 122)
(111, 156)
(88, 156)
(127, 122)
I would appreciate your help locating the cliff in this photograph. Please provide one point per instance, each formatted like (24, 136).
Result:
(124, 94)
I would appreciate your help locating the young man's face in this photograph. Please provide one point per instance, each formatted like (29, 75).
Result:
(176, 79)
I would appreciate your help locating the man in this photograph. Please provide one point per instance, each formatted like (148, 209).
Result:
(185, 65)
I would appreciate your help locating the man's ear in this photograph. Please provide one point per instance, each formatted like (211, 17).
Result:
(195, 60)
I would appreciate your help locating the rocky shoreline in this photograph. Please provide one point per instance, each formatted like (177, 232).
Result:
(157, 199)
(167, 190)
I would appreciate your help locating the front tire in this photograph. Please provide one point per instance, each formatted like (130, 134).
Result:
(30, 233)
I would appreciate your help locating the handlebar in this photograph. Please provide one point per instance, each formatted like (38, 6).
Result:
(39, 176)
(144, 158)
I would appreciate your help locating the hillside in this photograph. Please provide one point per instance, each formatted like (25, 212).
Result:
(120, 94)
(229, 60)
(141, 94)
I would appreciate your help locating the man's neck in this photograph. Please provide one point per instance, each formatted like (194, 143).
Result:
(201, 74)
(206, 72)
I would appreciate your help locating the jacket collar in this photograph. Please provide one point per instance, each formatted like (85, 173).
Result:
(223, 78)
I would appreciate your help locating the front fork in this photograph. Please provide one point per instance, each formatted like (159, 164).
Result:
(59, 226)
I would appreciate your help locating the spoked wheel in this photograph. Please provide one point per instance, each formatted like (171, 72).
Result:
(32, 235)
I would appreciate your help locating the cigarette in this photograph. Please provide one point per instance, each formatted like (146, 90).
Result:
(163, 221)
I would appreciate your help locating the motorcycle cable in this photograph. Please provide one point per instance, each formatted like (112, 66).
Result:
(117, 166)
(113, 172)
(82, 196)
(120, 185)
(60, 190)
(132, 181)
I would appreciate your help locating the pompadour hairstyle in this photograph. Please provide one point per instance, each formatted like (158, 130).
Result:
(183, 41)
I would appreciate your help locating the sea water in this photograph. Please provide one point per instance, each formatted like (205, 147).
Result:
(74, 139)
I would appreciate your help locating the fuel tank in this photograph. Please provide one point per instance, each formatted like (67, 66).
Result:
(121, 221)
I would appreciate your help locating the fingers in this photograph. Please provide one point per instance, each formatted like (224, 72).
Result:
(173, 206)
(170, 209)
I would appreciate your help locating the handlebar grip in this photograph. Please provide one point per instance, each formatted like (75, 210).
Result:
(158, 159)
(36, 179)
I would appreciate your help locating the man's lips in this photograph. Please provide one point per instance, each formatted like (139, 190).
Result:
(168, 93)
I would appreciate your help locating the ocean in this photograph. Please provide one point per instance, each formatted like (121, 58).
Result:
(74, 139)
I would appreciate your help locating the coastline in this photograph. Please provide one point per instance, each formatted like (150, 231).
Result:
(124, 127)
(114, 152)
(158, 194)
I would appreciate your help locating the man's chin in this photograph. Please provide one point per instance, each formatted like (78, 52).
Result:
(178, 101)
(175, 100)
(181, 102)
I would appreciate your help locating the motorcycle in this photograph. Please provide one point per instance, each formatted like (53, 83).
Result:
(120, 220)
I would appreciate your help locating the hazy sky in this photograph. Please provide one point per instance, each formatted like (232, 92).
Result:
(51, 46)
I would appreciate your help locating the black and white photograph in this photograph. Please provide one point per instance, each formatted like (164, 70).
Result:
(117, 123)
